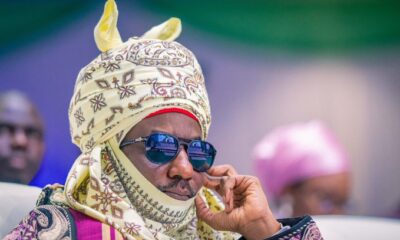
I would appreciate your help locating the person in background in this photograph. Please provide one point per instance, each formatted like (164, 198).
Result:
(304, 170)
(21, 138)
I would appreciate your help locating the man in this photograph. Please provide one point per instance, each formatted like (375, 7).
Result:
(140, 115)
(21, 138)
(304, 169)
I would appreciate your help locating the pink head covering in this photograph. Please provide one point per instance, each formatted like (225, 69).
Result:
(301, 151)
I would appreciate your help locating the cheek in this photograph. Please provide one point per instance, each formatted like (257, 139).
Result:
(154, 173)
(4, 143)
(36, 149)
(197, 181)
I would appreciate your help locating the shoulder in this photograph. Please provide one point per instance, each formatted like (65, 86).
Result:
(50, 219)
(45, 222)
(52, 195)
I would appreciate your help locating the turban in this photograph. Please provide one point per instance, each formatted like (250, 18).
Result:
(126, 83)
(133, 79)
(291, 154)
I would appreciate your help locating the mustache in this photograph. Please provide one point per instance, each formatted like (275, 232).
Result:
(178, 182)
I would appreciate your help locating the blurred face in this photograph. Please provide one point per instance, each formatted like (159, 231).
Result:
(176, 178)
(21, 141)
(321, 195)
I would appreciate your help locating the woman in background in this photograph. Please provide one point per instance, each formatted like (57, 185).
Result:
(304, 170)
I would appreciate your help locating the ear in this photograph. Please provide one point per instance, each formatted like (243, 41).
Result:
(168, 30)
(106, 34)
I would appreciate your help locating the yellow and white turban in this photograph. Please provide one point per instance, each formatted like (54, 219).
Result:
(124, 84)
(132, 79)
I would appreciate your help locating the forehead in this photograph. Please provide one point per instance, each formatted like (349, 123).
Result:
(177, 124)
(335, 183)
(19, 112)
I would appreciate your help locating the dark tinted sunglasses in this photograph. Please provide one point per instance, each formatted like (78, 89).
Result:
(162, 148)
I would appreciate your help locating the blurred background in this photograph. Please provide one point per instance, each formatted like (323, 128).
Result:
(266, 64)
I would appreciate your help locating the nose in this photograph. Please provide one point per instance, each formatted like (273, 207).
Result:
(181, 166)
(20, 139)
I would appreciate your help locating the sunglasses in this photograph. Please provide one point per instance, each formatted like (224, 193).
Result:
(162, 148)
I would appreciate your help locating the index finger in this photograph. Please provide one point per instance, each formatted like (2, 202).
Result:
(222, 170)
(212, 181)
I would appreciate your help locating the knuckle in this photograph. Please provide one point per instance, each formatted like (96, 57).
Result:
(255, 179)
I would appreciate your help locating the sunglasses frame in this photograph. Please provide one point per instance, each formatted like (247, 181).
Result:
(181, 141)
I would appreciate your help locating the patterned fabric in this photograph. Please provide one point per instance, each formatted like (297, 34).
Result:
(301, 228)
(45, 222)
(135, 207)
(113, 93)
(88, 228)
(77, 225)
(122, 86)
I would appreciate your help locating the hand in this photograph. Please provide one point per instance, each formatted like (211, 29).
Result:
(247, 211)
